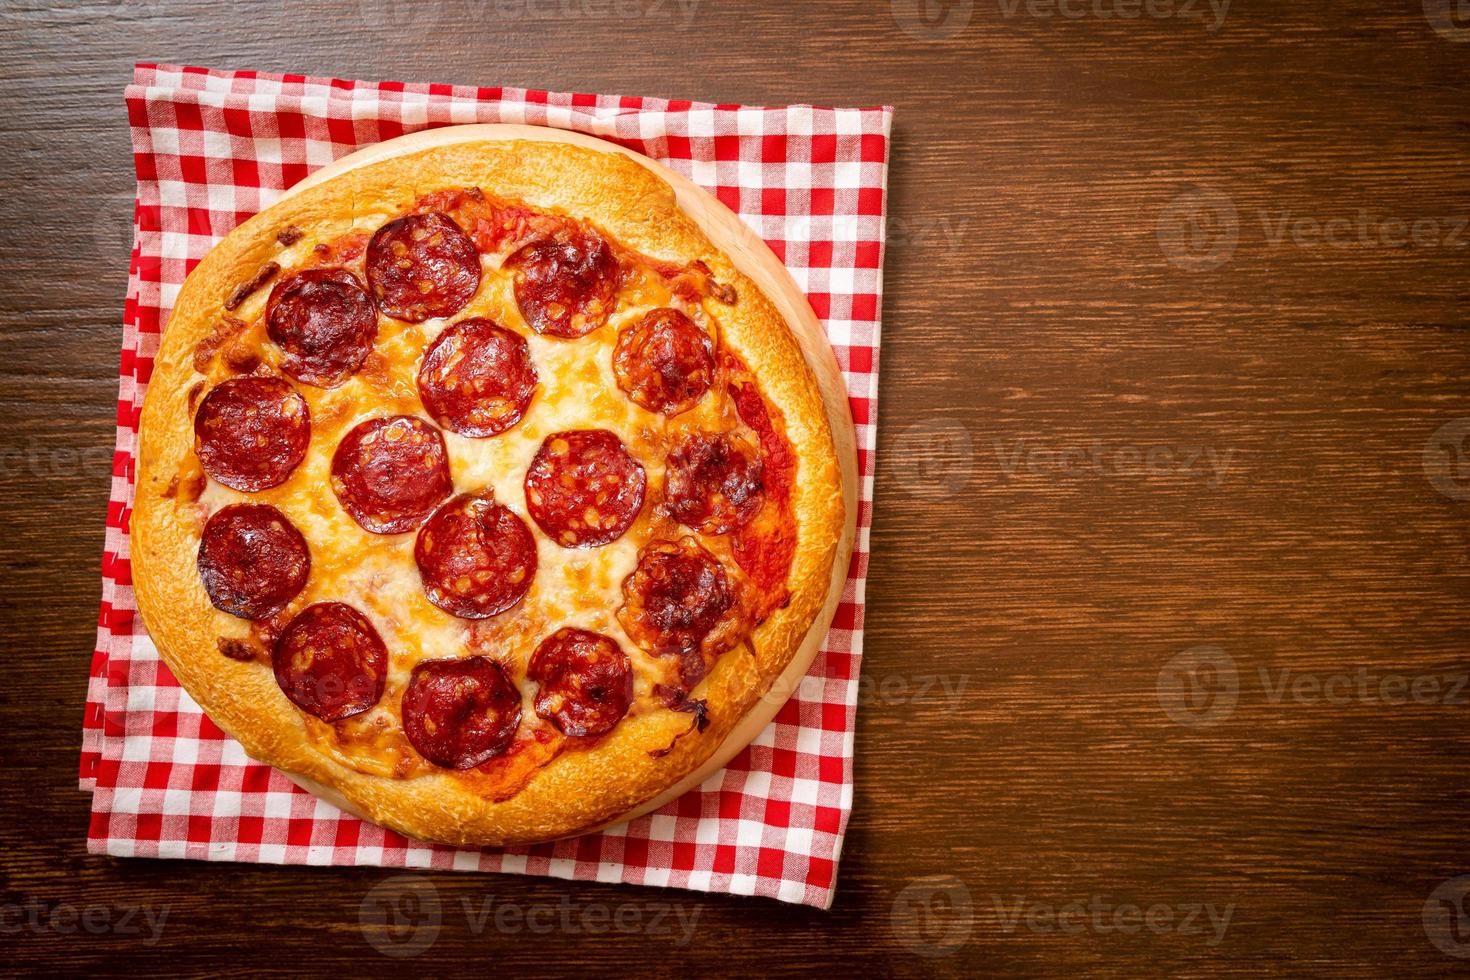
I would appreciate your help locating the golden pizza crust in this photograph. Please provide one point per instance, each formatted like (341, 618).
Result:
(581, 789)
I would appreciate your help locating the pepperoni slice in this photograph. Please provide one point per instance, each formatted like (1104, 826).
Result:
(585, 679)
(713, 483)
(674, 598)
(422, 266)
(330, 662)
(476, 558)
(664, 362)
(565, 285)
(252, 560)
(391, 473)
(251, 433)
(460, 713)
(477, 378)
(583, 488)
(324, 322)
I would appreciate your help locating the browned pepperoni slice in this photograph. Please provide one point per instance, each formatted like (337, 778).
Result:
(565, 284)
(330, 661)
(252, 560)
(674, 598)
(586, 681)
(251, 433)
(391, 473)
(422, 266)
(476, 557)
(713, 483)
(477, 378)
(583, 488)
(325, 323)
(460, 713)
(664, 362)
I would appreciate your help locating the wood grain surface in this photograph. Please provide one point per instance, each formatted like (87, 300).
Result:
(1167, 624)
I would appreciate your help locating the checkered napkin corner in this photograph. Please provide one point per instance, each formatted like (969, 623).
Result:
(211, 149)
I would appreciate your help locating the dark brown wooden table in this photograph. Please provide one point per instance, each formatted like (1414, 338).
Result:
(1167, 624)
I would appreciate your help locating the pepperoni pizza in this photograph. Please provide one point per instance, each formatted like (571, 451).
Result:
(479, 491)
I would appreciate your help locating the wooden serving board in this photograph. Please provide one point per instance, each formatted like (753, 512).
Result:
(756, 260)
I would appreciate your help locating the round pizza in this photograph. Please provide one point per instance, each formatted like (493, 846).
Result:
(481, 493)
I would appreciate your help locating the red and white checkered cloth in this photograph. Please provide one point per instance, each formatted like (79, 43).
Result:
(213, 148)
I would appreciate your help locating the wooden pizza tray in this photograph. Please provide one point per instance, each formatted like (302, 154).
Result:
(753, 257)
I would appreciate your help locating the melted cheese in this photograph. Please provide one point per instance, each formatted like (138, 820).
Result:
(377, 573)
